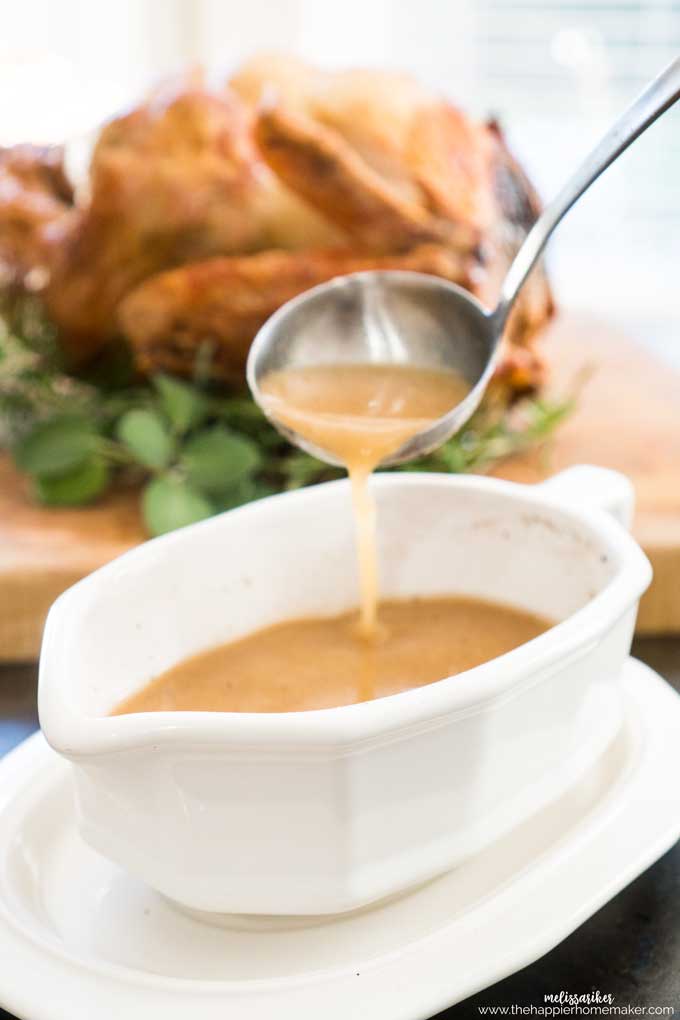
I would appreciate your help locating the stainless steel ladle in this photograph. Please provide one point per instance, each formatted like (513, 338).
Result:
(390, 316)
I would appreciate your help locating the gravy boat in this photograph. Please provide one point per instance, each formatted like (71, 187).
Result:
(326, 811)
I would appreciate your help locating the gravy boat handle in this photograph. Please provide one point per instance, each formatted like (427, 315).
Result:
(599, 488)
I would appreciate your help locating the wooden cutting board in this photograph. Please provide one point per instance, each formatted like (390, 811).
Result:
(628, 418)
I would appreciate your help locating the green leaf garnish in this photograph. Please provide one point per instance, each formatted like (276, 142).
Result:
(55, 447)
(170, 502)
(75, 488)
(185, 405)
(146, 436)
(246, 492)
(216, 459)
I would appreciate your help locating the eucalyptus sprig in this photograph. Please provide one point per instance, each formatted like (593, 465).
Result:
(189, 463)
(192, 451)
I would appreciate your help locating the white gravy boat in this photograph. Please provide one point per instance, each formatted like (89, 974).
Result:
(325, 811)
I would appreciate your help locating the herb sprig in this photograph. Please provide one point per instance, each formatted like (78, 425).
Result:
(193, 451)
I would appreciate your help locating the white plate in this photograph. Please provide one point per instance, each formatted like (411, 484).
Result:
(79, 939)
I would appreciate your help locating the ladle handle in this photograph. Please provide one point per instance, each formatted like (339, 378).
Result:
(655, 100)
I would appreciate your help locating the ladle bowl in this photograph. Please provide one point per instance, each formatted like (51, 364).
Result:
(382, 317)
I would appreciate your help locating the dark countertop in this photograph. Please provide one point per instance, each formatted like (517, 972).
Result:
(630, 949)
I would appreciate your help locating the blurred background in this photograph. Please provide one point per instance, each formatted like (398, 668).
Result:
(554, 71)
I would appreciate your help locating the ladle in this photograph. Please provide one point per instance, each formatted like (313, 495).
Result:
(391, 316)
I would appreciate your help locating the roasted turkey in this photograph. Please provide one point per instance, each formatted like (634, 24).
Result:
(206, 209)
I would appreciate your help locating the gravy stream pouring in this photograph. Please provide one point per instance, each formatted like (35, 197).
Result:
(361, 414)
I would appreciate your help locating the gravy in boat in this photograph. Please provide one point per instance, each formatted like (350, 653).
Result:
(361, 414)
(321, 662)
